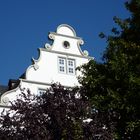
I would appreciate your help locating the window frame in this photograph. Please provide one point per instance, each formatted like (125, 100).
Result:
(62, 65)
(67, 66)
(71, 66)
(41, 90)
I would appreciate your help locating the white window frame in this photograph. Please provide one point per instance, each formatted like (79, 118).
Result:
(62, 65)
(41, 91)
(66, 65)
(71, 66)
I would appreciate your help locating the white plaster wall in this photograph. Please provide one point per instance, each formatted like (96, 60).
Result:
(48, 69)
(23, 87)
(66, 30)
(58, 45)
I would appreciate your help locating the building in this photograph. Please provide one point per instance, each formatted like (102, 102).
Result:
(56, 63)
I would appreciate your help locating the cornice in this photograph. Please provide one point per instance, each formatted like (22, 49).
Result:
(36, 82)
(64, 53)
(53, 33)
(40, 83)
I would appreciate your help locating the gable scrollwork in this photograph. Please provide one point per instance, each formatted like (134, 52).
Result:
(35, 65)
(52, 36)
(85, 52)
(47, 46)
(5, 101)
(80, 42)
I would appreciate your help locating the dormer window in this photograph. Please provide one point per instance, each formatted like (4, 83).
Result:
(66, 65)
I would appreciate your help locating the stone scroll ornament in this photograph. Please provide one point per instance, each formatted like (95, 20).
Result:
(5, 100)
(35, 65)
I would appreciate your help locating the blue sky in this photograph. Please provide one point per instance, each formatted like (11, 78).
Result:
(24, 27)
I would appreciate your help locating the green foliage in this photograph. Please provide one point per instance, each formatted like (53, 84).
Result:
(114, 85)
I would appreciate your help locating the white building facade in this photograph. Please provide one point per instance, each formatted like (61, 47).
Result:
(56, 64)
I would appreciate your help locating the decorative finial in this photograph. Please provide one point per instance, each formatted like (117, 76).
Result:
(85, 52)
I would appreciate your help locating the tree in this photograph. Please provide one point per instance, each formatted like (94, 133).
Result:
(114, 85)
(59, 114)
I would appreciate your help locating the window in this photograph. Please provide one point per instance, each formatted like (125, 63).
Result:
(62, 65)
(41, 91)
(71, 66)
(66, 65)
(66, 44)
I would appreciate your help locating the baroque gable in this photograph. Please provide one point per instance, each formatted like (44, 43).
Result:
(57, 63)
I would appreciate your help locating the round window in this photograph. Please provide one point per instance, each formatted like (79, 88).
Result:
(66, 44)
